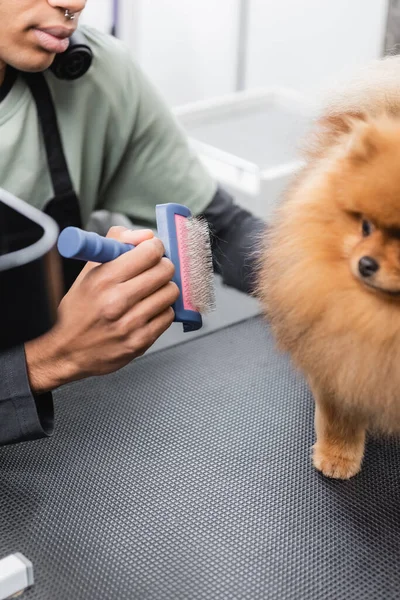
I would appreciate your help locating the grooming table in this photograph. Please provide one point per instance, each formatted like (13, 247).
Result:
(187, 476)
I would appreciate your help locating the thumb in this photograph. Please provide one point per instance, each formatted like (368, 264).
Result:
(130, 236)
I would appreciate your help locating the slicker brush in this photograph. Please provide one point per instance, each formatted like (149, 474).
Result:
(187, 244)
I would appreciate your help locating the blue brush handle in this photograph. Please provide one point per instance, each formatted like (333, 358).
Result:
(89, 246)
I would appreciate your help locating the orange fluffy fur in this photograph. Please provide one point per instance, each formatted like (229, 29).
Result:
(342, 330)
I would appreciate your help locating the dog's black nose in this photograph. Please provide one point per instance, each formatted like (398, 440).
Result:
(367, 266)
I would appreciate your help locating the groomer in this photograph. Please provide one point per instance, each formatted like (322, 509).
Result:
(102, 141)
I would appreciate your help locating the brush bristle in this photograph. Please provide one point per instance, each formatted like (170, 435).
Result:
(199, 266)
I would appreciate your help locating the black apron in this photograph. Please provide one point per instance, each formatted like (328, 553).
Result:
(64, 207)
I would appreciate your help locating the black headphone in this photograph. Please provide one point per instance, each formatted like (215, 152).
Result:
(75, 61)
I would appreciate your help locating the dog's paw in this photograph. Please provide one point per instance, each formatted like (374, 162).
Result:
(335, 464)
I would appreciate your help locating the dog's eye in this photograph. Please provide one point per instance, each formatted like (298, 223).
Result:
(366, 228)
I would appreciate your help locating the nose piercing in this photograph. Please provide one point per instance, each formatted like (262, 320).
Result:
(68, 15)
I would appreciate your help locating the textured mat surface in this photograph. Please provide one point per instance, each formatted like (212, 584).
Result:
(187, 476)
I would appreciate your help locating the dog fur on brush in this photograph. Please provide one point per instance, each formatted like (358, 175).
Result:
(330, 271)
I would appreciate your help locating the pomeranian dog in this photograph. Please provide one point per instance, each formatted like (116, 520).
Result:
(329, 279)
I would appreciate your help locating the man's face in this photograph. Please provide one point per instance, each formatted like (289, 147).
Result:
(32, 32)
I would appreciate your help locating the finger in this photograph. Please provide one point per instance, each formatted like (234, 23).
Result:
(124, 235)
(153, 330)
(148, 309)
(131, 264)
(120, 299)
(147, 283)
(130, 236)
(161, 323)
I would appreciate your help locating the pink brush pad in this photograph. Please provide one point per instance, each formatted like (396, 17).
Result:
(183, 250)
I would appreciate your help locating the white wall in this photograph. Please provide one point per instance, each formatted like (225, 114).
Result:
(98, 13)
(301, 43)
(189, 47)
(186, 46)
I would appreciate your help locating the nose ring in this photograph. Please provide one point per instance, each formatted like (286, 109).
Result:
(68, 15)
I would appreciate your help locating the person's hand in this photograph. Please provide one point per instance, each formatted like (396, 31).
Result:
(112, 314)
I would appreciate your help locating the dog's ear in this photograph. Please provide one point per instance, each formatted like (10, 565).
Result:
(339, 124)
(329, 131)
(361, 143)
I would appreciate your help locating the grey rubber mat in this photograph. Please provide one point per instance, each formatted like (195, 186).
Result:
(187, 476)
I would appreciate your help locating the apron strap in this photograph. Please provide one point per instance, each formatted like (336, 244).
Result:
(64, 207)
(61, 180)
